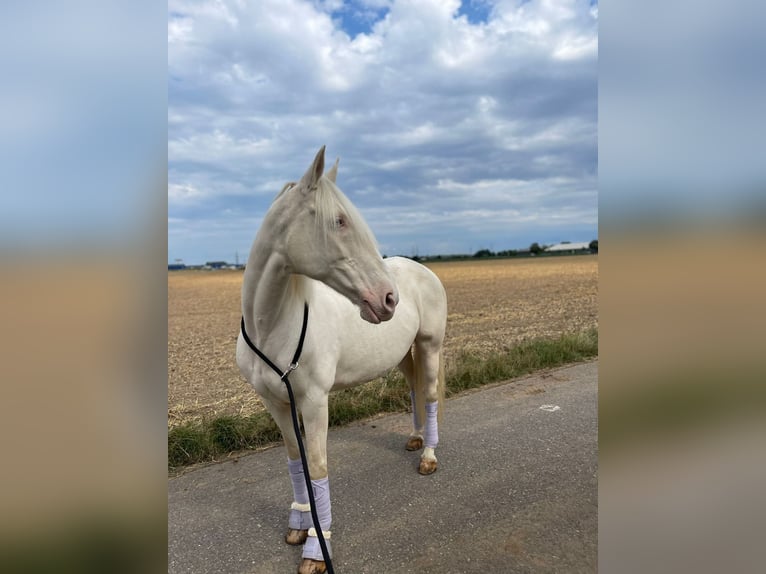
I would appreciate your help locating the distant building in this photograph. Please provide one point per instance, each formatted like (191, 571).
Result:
(216, 264)
(581, 247)
(176, 266)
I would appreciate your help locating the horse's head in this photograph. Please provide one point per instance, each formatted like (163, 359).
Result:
(328, 240)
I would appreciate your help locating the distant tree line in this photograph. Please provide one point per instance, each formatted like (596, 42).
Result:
(535, 249)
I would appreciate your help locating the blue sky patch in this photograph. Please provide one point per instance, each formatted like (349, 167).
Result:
(355, 18)
(477, 11)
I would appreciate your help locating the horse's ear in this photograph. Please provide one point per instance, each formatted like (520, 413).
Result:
(311, 177)
(333, 173)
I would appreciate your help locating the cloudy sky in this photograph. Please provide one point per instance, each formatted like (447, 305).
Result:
(459, 125)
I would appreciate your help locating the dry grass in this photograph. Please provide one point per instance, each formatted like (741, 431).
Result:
(493, 305)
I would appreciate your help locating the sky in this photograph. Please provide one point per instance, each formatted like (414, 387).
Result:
(459, 126)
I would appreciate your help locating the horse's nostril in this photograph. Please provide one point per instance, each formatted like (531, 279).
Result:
(390, 301)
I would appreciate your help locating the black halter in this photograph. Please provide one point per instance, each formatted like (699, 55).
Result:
(296, 426)
(294, 363)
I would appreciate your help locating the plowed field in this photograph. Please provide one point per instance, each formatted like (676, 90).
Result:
(493, 304)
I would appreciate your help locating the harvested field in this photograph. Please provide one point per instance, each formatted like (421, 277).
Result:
(493, 304)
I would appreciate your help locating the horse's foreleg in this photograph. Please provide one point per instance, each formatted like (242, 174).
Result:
(315, 423)
(299, 520)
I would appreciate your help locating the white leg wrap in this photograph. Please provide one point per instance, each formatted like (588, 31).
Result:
(311, 548)
(300, 515)
(300, 494)
(431, 438)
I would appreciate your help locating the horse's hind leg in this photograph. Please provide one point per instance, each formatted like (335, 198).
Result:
(430, 378)
(299, 520)
(415, 440)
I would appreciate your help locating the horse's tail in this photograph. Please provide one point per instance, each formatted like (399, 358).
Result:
(420, 386)
(442, 385)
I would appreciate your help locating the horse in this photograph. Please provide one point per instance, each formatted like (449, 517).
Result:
(366, 315)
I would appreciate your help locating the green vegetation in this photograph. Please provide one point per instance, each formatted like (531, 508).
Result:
(197, 442)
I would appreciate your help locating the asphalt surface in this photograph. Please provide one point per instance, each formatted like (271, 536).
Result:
(516, 491)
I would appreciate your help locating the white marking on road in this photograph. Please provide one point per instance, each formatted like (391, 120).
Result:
(550, 408)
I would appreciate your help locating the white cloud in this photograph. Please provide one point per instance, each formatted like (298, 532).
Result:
(423, 97)
(215, 146)
(182, 193)
(179, 30)
(576, 47)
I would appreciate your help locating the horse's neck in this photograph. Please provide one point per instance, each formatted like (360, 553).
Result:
(270, 294)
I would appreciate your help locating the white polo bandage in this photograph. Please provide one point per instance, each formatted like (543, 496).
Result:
(431, 435)
(311, 548)
(300, 494)
(300, 509)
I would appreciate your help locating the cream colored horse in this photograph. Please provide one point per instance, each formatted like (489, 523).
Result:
(366, 315)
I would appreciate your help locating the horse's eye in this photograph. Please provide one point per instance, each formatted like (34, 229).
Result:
(340, 222)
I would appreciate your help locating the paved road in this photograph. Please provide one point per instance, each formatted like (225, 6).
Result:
(516, 491)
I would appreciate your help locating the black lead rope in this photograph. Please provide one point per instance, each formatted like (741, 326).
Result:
(296, 427)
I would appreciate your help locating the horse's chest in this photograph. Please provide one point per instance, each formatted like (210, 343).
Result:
(372, 351)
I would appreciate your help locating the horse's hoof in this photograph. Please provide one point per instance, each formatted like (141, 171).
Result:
(296, 537)
(309, 566)
(414, 443)
(427, 466)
